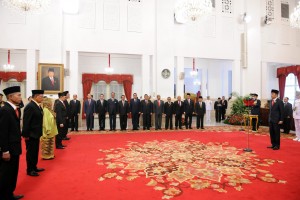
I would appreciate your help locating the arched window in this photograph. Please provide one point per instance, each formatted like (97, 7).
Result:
(291, 86)
(116, 88)
(14, 82)
(102, 88)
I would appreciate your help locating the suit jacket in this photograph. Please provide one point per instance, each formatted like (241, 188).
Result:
(255, 110)
(112, 106)
(169, 108)
(75, 107)
(10, 132)
(188, 108)
(68, 108)
(288, 110)
(224, 104)
(158, 109)
(61, 113)
(47, 84)
(135, 106)
(32, 121)
(89, 108)
(178, 109)
(123, 110)
(146, 108)
(202, 110)
(218, 105)
(276, 111)
(101, 109)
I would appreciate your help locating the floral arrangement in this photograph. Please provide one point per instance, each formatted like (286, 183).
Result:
(238, 109)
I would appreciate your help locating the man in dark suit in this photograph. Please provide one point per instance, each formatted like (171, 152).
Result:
(67, 96)
(75, 107)
(287, 115)
(146, 111)
(224, 107)
(188, 111)
(101, 109)
(10, 143)
(275, 119)
(61, 119)
(89, 111)
(255, 110)
(218, 109)
(158, 108)
(200, 110)
(123, 112)
(112, 109)
(32, 131)
(135, 109)
(178, 111)
(50, 82)
(169, 111)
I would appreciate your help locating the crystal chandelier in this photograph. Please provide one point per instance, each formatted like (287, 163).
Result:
(27, 6)
(192, 10)
(295, 17)
(194, 72)
(109, 69)
(8, 66)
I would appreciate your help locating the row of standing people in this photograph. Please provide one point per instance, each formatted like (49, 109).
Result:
(146, 108)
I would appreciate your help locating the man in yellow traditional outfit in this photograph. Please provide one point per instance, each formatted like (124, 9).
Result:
(49, 130)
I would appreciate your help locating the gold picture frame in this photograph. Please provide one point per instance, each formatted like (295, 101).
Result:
(51, 78)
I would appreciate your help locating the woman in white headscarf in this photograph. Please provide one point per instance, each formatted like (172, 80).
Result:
(296, 115)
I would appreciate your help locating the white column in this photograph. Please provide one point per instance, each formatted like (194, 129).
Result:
(180, 76)
(146, 75)
(265, 90)
(252, 75)
(236, 77)
(74, 73)
(31, 71)
(204, 82)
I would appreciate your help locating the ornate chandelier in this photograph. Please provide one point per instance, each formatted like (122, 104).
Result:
(109, 69)
(295, 17)
(192, 10)
(8, 66)
(27, 6)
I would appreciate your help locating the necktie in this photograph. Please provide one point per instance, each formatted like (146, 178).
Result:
(179, 103)
(158, 103)
(273, 102)
(123, 103)
(200, 105)
(189, 102)
(17, 113)
(284, 104)
(89, 102)
(52, 81)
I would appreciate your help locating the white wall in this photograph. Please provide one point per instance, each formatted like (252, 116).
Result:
(159, 41)
(96, 63)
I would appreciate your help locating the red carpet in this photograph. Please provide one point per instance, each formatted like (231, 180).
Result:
(81, 171)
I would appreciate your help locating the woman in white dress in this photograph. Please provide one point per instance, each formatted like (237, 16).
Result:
(296, 115)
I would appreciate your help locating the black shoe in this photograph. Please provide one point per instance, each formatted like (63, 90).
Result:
(72, 129)
(76, 130)
(276, 148)
(270, 147)
(20, 196)
(91, 129)
(66, 138)
(176, 128)
(60, 147)
(33, 173)
(202, 128)
(39, 169)
(87, 130)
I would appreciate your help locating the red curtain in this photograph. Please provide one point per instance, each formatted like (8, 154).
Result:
(125, 79)
(283, 72)
(19, 76)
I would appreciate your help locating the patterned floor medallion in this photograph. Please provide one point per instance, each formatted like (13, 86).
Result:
(171, 166)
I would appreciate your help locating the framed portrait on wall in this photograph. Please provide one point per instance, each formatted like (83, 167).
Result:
(51, 78)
